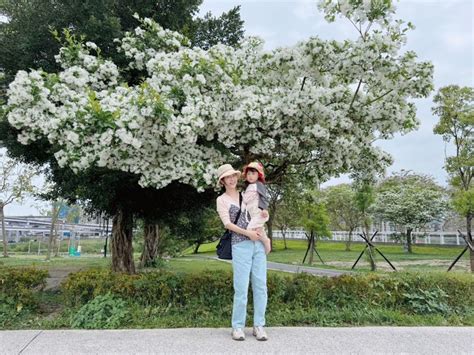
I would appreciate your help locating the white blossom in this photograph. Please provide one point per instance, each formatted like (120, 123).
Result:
(196, 109)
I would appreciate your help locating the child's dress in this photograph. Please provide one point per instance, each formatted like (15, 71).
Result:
(255, 200)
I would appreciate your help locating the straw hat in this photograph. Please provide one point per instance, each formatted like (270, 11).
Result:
(226, 170)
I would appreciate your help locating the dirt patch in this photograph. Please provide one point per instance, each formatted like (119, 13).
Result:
(51, 305)
(56, 276)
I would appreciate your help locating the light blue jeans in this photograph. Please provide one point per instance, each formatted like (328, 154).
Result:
(249, 261)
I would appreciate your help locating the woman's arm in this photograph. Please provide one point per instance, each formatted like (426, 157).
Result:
(253, 235)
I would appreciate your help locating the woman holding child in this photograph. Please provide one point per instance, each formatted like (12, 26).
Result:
(249, 243)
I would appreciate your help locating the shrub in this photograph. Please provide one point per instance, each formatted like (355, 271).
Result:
(18, 291)
(428, 301)
(103, 312)
(157, 288)
(9, 310)
(83, 286)
(407, 292)
(21, 285)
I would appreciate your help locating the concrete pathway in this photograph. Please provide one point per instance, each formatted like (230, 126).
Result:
(368, 340)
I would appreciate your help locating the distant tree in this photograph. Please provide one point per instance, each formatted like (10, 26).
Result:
(342, 208)
(410, 201)
(455, 109)
(284, 194)
(15, 185)
(365, 197)
(314, 220)
(210, 30)
(287, 216)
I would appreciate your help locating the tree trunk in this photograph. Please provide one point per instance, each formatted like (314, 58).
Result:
(370, 250)
(121, 245)
(57, 241)
(284, 239)
(51, 239)
(469, 236)
(198, 244)
(311, 246)
(4, 233)
(349, 240)
(373, 266)
(151, 234)
(409, 230)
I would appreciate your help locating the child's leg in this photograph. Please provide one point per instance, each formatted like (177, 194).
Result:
(266, 241)
(267, 244)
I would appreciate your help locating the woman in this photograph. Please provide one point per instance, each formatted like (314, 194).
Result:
(248, 258)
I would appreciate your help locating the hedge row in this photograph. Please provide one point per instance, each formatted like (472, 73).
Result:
(408, 292)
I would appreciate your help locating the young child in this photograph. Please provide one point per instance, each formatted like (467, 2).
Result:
(255, 200)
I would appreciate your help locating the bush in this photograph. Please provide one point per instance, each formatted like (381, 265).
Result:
(428, 301)
(103, 312)
(99, 298)
(21, 285)
(8, 310)
(411, 293)
(157, 288)
(18, 291)
(81, 287)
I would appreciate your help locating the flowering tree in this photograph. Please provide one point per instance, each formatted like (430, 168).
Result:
(410, 201)
(26, 42)
(318, 105)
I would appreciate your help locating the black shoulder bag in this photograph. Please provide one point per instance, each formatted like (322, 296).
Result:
(224, 248)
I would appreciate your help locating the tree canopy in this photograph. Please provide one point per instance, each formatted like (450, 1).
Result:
(410, 201)
(196, 109)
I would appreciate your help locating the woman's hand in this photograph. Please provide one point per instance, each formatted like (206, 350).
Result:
(264, 214)
(253, 235)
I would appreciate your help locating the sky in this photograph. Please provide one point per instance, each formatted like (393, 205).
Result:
(444, 35)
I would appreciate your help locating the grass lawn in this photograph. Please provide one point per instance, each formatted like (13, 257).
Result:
(423, 258)
(59, 267)
(62, 266)
(55, 262)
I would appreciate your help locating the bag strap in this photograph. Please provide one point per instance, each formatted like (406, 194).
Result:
(240, 208)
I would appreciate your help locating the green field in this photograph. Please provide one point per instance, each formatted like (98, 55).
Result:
(424, 257)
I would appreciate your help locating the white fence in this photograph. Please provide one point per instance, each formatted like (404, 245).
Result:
(437, 238)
